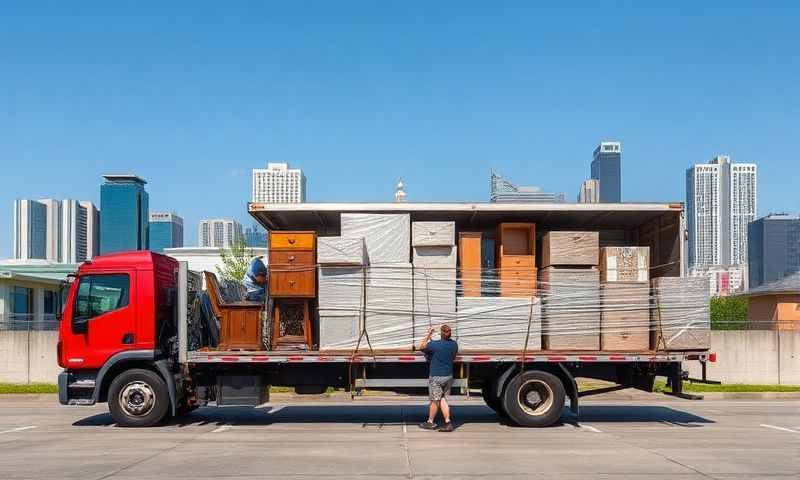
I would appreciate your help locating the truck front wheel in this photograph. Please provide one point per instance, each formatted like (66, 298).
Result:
(534, 399)
(138, 398)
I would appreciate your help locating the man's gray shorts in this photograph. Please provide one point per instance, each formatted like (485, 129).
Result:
(439, 387)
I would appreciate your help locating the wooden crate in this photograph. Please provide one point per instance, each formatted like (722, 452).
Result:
(579, 249)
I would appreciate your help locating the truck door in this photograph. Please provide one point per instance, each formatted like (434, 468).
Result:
(103, 319)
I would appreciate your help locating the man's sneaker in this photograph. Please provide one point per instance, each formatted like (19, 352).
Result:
(428, 426)
(447, 427)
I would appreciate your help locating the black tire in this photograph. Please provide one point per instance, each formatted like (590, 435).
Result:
(490, 397)
(138, 398)
(534, 399)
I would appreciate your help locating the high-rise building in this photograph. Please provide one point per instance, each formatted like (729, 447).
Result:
(255, 236)
(503, 191)
(589, 192)
(607, 169)
(219, 232)
(124, 204)
(773, 248)
(278, 184)
(165, 231)
(720, 202)
(62, 231)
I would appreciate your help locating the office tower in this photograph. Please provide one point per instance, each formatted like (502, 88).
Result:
(124, 204)
(607, 169)
(720, 202)
(503, 191)
(278, 184)
(166, 231)
(773, 248)
(219, 232)
(589, 192)
(63, 231)
(255, 236)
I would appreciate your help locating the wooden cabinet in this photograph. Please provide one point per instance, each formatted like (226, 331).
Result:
(517, 282)
(469, 262)
(239, 322)
(292, 265)
(291, 326)
(516, 259)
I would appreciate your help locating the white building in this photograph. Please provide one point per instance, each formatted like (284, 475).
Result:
(64, 231)
(278, 184)
(723, 281)
(30, 296)
(590, 191)
(219, 232)
(720, 202)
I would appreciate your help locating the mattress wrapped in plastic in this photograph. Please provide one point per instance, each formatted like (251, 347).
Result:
(625, 316)
(579, 249)
(498, 323)
(680, 313)
(387, 236)
(341, 251)
(624, 264)
(433, 234)
(340, 299)
(434, 288)
(570, 308)
(388, 318)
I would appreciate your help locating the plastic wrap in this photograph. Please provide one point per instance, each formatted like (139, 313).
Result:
(389, 303)
(341, 251)
(570, 249)
(433, 234)
(498, 323)
(680, 313)
(625, 316)
(387, 236)
(434, 288)
(624, 264)
(341, 302)
(570, 308)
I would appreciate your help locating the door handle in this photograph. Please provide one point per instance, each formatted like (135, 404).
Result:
(128, 339)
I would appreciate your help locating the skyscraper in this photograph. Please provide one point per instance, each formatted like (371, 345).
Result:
(720, 202)
(278, 184)
(219, 232)
(63, 231)
(589, 192)
(607, 168)
(124, 204)
(166, 231)
(255, 236)
(773, 248)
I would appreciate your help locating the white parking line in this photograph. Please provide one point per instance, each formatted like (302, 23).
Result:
(19, 429)
(591, 428)
(222, 428)
(783, 429)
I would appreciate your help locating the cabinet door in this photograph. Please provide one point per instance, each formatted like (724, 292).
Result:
(469, 261)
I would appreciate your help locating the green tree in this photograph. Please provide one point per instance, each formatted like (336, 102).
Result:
(235, 261)
(729, 313)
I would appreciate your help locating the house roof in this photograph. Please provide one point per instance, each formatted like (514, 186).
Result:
(36, 270)
(788, 284)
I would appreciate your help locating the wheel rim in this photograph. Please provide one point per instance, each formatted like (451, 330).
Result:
(535, 397)
(137, 399)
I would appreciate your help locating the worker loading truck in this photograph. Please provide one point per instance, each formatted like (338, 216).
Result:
(535, 295)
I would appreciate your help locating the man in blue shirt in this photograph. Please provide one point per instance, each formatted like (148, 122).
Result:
(440, 355)
(255, 281)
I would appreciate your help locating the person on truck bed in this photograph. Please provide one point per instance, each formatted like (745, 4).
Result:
(255, 281)
(440, 355)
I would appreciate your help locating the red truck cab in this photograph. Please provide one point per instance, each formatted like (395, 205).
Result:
(118, 317)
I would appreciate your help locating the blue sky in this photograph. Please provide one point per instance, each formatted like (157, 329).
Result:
(193, 95)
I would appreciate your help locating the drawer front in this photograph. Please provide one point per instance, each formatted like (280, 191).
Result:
(517, 261)
(289, 257)
(517, 282)
(292, 283)
(291, 241)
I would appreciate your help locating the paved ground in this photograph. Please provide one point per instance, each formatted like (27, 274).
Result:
(656, 438)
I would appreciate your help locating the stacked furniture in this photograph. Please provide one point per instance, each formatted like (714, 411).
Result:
(499, 323)
(469, 263)
(292, 285)
(516, 259)
(680, 313)
(570, 286)
(239, 322)
(388, 318)
(340, 295)
(625, 298)
(434, 260)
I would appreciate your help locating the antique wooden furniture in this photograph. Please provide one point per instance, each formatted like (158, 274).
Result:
(292, 284)
(240, 322)
(516, 259)
(469, 261)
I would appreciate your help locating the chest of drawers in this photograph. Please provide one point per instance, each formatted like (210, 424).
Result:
(292, 264)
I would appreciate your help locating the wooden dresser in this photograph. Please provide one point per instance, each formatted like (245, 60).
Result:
(516, 259)
(292, 284)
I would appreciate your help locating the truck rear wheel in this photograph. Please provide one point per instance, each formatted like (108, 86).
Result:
(138, 398)
(534, 399)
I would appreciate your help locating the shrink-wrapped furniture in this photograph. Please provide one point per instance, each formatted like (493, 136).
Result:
(579, 249)
(570, 308)
(680, 313)
(625, 316)
(433, 234)
(341, 297)
(624, 264)
(498, 323)
(387, 235)
(341, 251)
(388, 319)
(434, 288)
(516, 259)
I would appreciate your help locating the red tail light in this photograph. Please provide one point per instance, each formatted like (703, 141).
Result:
(712, 357)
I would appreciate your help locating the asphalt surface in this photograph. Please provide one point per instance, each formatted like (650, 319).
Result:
(657, 437)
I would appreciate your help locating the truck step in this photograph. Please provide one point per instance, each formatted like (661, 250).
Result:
(83, 383)
(401, 382)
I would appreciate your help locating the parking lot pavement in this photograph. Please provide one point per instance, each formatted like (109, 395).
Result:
(658, 438)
